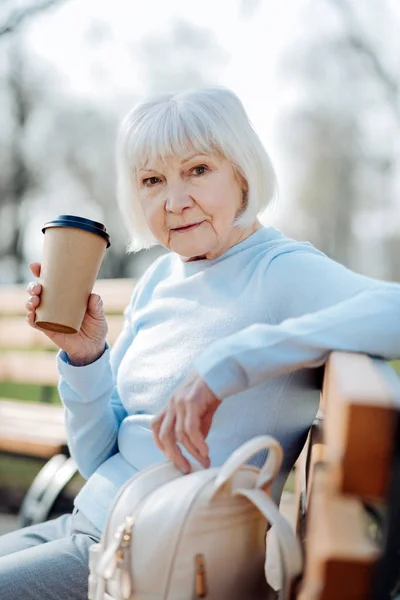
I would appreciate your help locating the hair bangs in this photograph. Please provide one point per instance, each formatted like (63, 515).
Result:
(168, 132)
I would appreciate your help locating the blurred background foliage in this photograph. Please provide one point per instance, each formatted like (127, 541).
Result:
(323, 92)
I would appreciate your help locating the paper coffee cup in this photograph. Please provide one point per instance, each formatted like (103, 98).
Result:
(73, 250)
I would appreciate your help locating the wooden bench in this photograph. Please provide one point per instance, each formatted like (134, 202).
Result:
(37, 429)
(349, 464)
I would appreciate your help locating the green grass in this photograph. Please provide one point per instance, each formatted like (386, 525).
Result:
(396, 365)
(29, 392)
(18, 472)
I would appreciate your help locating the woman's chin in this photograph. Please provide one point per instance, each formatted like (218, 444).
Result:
(190, 249)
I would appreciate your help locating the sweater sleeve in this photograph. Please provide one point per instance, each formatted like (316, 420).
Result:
(315, 306)
(94, 411)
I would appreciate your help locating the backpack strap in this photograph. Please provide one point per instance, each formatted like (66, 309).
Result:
(289, 546)
(268, 471)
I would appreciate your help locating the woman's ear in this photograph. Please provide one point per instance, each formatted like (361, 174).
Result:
(242, 181)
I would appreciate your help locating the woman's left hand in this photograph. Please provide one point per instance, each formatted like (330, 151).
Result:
(187, 419)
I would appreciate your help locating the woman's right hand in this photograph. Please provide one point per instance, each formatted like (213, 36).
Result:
(83, 347)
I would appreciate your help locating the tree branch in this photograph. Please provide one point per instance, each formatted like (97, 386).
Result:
(361, 44)
(19, 17)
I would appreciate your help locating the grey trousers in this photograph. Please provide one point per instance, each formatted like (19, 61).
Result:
(48, 561)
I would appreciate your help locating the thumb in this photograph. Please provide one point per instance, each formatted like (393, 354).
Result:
(95, 305)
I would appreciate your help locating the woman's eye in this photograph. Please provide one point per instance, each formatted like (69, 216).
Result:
(150, 181)
(200, 170)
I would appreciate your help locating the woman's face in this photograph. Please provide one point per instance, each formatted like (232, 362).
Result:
(190, 204)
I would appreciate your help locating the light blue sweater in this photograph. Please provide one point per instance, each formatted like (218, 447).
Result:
(248, 321)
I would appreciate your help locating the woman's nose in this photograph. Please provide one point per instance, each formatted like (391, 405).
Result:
(178, 199)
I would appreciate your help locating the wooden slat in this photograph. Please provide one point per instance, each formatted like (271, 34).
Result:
(24, 429)
(31, 429)
(359, 424)
(33, 411)
(340, 556)
(15, 333)
(116, 294)
(38, 447)
(12, 299)
(30, 367)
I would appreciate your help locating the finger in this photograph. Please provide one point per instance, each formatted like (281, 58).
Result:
(206, 423)
(35, 268)
(30, 318)
(186, 443)
(34, 288)
(168, 442)
(182, 437)
(32, 303)
(155, 427)
(194, 432)
(95, 305)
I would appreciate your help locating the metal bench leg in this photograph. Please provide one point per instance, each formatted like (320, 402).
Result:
(45, 489)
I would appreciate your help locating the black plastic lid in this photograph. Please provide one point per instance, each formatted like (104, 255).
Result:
(79, 223)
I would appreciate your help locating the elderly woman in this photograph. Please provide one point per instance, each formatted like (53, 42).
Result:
(216, 336)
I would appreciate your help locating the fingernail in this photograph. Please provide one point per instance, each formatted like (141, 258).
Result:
(98, 306)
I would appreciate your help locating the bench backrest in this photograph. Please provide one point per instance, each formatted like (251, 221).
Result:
(348, 460)
(26, 355)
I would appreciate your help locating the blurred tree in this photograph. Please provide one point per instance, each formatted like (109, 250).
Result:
(16, 178)
(392, 243)
(17, 17)
(326, 199)
(84, 149)
(344, 153)
(19, 174)
(358, 40)
(20, 98)
(59, 151)
(185, 57)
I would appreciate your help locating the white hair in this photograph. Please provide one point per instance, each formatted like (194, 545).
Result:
(204, 121)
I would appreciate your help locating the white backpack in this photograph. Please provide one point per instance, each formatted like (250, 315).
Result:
(181, 537)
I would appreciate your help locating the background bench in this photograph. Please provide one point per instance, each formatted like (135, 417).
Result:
(35, 428)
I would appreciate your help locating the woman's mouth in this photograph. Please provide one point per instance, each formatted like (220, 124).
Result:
(187, 227)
